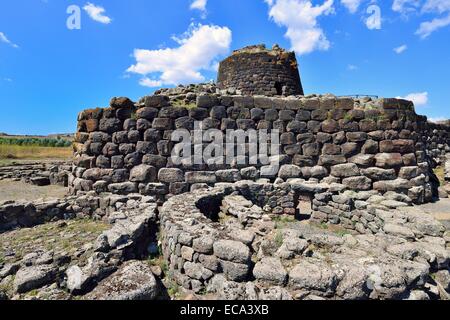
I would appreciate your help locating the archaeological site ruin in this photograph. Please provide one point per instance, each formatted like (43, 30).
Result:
(338, 209)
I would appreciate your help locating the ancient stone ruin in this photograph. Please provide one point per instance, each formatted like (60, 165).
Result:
(336, 214)
(256, 70)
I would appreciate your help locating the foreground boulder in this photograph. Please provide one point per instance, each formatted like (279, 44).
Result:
(34, 277)
(133, 281)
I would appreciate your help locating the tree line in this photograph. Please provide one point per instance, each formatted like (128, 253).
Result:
(46, 142)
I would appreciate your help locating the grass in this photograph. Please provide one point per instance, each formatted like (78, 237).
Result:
(278, 239)
(159, 262)
(440, 174)
(281, 221)
(173, 289)
(50, 236)
(14, 152)
(182, 104)
(7, 286)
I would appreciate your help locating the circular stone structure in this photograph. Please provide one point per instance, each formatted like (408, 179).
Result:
(256, 70)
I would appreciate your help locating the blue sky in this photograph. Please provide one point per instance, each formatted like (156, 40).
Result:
(48, 72)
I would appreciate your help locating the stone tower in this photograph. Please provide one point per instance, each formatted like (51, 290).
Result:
(256, 70)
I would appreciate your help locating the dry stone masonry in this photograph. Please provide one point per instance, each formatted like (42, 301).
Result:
(334, 215)
(256, 70)
(363, 144)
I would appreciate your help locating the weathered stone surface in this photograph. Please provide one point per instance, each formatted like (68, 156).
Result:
(34, 277)
(370, 147)
(230, 175)
(327, 160)
(400, 146)
(170, 175)
(233, 251)
(121, 102)
(409, 172)
(357, 183)
(388, 160)
(379, 173)
(270, 270)
(364, 160)
(235, 271)
(133, 281)
(143, 173)
(397, 230)
(289, 171)
(203, 244)
(345, 170)
(312, 274)
(391, 185)
(147, 113)
(122, 188)
(200, 177)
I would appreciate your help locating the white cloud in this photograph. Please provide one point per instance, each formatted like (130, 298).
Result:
(147, 82)
(352, 67)
(439, 6)
(300, 19)
(419, 98)
(4, 38)
(97, 13)
(351, 5)
(428, 27)
(199, 5)
(401, 49)
(198, 50)
(405, 6)
(438, 119)
(7, 79)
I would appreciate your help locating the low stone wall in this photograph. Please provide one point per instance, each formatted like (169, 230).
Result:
(221, 241)
(19, 214)
(39, 173)
(364, 144)
(132, 235)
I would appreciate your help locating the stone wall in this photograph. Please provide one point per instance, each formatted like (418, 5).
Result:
(221, 238)
(38, 173)
(256, 70)
(363, 144)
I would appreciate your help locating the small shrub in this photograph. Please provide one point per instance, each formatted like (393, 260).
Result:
(279, 239)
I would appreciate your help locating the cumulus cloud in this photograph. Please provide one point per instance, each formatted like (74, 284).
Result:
(419, 98)
(97, 13)
(300, 18)
(438, 119)
(151, 83)
(4, 39)
(199, 5)
(439, 6)
(401, 49)
(405, 6)
(351, 5)
(198, 50)
(428, 27)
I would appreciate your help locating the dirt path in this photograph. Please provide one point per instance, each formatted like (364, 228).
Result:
(16, 190)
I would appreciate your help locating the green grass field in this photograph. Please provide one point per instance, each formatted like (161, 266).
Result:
(23, 148)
